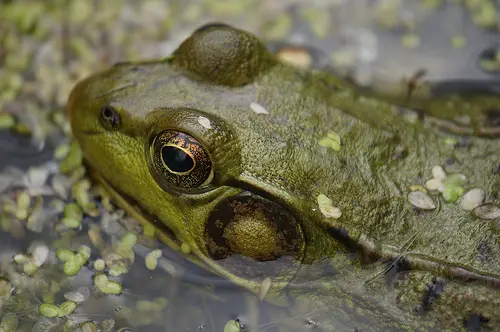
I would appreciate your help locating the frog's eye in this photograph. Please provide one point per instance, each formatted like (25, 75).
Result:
(110, 117)
(181, 159)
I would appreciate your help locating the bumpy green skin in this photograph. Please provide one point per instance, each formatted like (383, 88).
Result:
(278, 156)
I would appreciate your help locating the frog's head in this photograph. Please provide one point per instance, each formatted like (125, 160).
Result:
(218, 144)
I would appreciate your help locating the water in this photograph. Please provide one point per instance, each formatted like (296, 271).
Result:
(48, 46)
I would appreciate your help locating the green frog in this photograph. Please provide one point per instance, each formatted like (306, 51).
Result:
(299, 187)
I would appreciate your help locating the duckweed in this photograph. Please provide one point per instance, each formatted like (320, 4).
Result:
(185, 248)
(107, 286)
(473, 198)
(30, 268)
(452, 193)
(421, 200)
(332, 140)
(22, 205)
(48, 310)
(152, 259)
(99, 265)
(450, 186)
(67, 308)
(78, 296)
(118, 268)
(71, 268)
(61, 151)
(129, 240)
(73, 262)
(65, 255)
(156, 305)
(7, 120)
(39, 253)
(232, 326)
(84, 251)
(326, 207)
(88, 327)
(73, 159)
(73, 215)
(149, 231)
(455, 180)
(21, 259)
(258, 108)
(9, 323)
(80, 192)
(487, 211)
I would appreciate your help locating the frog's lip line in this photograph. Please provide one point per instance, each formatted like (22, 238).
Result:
(90, 132)
(167, 236)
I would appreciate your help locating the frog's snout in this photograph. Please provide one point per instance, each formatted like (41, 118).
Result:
(254, 227)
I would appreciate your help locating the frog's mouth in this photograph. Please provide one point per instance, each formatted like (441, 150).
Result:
(250, 274)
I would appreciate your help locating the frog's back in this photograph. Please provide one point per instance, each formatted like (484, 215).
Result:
(440, 60)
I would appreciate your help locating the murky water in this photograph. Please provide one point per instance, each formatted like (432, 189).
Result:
(47, 46)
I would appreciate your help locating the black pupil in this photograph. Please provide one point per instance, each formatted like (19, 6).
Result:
(108, 113)
(176, 159)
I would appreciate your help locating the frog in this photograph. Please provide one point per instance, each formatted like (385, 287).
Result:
(297, 186)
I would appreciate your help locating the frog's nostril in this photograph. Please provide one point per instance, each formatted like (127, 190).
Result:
(254, 227)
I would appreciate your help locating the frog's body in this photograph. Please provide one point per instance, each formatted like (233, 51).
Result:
(418, 54)
(264, 176)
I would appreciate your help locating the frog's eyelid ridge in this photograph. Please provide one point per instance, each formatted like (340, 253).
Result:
(116, 89)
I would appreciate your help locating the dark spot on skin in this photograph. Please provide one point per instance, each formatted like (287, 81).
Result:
(399, 153)
(496, 171)
(495, 226)
(464, 143)
(329, 270)
(492, 117)
(475, 322)
(396, 270)
(342, 236)
(483, 253)
(279, 119)
(121, 63)
(136, 69)
(420, 177)
(434, 289)
(450, 161)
